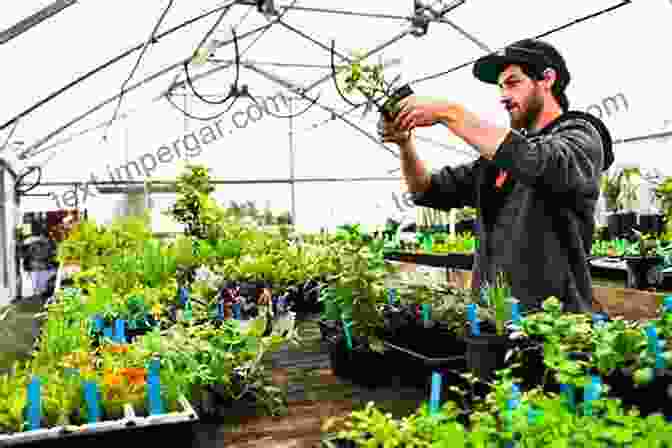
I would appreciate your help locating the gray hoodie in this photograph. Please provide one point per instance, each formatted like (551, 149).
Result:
(537, 228)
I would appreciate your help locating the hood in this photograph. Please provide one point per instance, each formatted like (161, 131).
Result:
(607, 142)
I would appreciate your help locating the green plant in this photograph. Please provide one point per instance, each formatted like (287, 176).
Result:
(611, 188)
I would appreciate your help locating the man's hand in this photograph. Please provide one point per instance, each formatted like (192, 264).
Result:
(417, 112)
(391, 133)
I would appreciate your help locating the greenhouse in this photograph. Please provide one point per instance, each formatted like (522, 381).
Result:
(463, 237)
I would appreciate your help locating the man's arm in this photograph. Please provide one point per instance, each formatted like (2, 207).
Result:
(445, 189)
(569, 161)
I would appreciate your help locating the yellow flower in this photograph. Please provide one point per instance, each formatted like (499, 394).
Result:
(157, 310)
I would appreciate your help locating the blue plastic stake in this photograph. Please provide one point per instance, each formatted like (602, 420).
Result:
(435, 397)
(154, 388)
(591, 392)
(120, 331)
(391, 296)
(34, 404)
(515, 313)
(667, 304)
(98, 323)
(107, 332)
(92, 404)
(471, 316)
(348, 336)
(654, 346)
(184, 295)
(426, 312)
(599, 319)
(236, 311)
(220, 311)
(567, 391)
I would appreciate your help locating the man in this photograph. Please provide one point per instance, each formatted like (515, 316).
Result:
(535, 184)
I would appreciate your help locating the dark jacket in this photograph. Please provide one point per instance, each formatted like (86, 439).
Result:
(538, 227)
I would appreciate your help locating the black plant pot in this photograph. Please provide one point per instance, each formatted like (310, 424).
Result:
(359, 365)
(628, 222)
(647, 398)
(389, 108)
(651, 223)
(485, 353)
(328, 328)
(466, 225)
(614, 226)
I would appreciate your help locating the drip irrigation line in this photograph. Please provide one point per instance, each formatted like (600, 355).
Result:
(110, 62)
(547, 33)
(137, 62)
(233, 92)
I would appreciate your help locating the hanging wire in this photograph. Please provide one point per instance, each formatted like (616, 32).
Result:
(547, 33)
(234, 89)
(149, 41)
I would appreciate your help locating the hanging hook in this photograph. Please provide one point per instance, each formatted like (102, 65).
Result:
(333, 75)
(235, 84)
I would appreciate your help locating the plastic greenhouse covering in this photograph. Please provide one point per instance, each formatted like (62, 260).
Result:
(63, 109)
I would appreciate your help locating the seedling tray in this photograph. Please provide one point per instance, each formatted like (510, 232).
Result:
(131, 430)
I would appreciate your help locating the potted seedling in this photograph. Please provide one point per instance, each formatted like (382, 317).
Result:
(369, 81)
(611, 188)
(630, 183)
(487, 341)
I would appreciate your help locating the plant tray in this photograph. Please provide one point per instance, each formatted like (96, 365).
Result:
(132, 430)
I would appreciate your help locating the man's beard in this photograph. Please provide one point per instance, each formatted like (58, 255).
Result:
(527, 114)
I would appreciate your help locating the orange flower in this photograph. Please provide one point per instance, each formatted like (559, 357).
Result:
(135, 375)
(117, 348)
(112, 380)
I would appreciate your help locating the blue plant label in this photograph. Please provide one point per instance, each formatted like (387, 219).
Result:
(220, 310)
(120, 331)
(34, 403)
(567, 391)
(236, 311)
(435, 397)
(107, 332)
(515, 313)
(154, 388)
(426, 312)
(667, 304)
(471, 312)
(392, 296)
(98, 323)
(348, 334)
(92, 402)
(184, 295)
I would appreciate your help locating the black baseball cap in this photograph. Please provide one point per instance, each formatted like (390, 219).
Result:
(534, 53)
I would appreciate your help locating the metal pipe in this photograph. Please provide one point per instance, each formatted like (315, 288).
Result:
(301, 92)
(131, 88)
(366, 55)
(32, 21)
(221, 182)
(109, 63)
(333, 11)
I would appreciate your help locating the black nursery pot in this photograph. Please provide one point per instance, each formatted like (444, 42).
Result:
(651, 223)
(359, 365)
(628, 222)
(388, 108)
(614, 226)
(485, 353)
